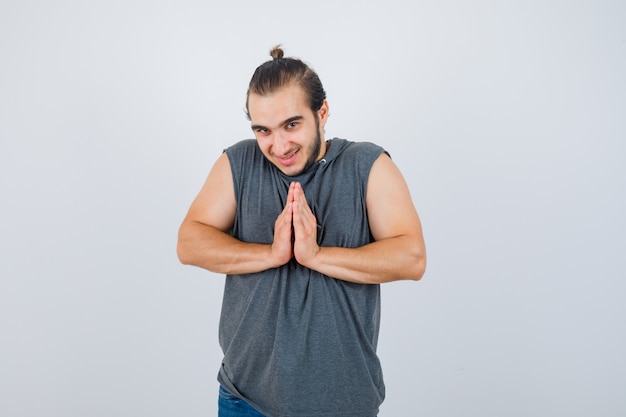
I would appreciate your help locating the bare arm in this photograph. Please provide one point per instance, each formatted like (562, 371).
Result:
(398, 251)
(203, 238)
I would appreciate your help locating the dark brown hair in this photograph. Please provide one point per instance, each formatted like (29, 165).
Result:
(279, 72)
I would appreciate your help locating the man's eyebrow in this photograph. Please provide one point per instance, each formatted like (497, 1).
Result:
(285, 122)
(292, 119)
(257, 127)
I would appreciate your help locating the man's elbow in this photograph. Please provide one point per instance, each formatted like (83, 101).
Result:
(183, 255)
(418, 265)
(183, 250)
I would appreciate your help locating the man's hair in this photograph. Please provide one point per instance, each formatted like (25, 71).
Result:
(280, 72)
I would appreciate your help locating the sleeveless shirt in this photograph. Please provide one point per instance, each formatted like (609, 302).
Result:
(298, 343)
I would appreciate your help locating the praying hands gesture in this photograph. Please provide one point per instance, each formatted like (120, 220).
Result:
(295, 230)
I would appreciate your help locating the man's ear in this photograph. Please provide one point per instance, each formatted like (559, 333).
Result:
(323, 113)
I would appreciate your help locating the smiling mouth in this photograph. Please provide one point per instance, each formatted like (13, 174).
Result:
(288, 159)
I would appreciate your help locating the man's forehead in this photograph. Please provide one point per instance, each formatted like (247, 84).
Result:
(278, 106)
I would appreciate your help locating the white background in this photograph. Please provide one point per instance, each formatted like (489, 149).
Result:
(507, 119)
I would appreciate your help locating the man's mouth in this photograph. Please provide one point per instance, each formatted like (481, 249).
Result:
(289, 158)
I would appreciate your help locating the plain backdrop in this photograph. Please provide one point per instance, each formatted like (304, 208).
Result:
(508, 120)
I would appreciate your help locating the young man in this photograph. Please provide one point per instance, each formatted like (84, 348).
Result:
(305, 230)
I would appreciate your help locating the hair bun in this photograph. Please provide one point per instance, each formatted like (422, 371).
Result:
(277, 52)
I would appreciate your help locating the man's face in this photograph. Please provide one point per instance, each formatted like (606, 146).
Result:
(288, 132)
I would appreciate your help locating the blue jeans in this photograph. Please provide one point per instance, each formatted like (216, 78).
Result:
(230, 405)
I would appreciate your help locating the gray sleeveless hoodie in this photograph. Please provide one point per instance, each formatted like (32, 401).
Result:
(298, 343)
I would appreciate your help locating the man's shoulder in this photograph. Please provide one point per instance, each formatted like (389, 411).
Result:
(244, 155)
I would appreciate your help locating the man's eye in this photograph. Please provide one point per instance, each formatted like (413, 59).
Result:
(291, 125)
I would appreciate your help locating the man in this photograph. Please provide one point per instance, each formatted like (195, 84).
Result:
(305, 230)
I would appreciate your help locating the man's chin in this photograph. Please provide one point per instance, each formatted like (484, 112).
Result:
(291, 171)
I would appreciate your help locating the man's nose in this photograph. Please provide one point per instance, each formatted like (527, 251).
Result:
(281, 143)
